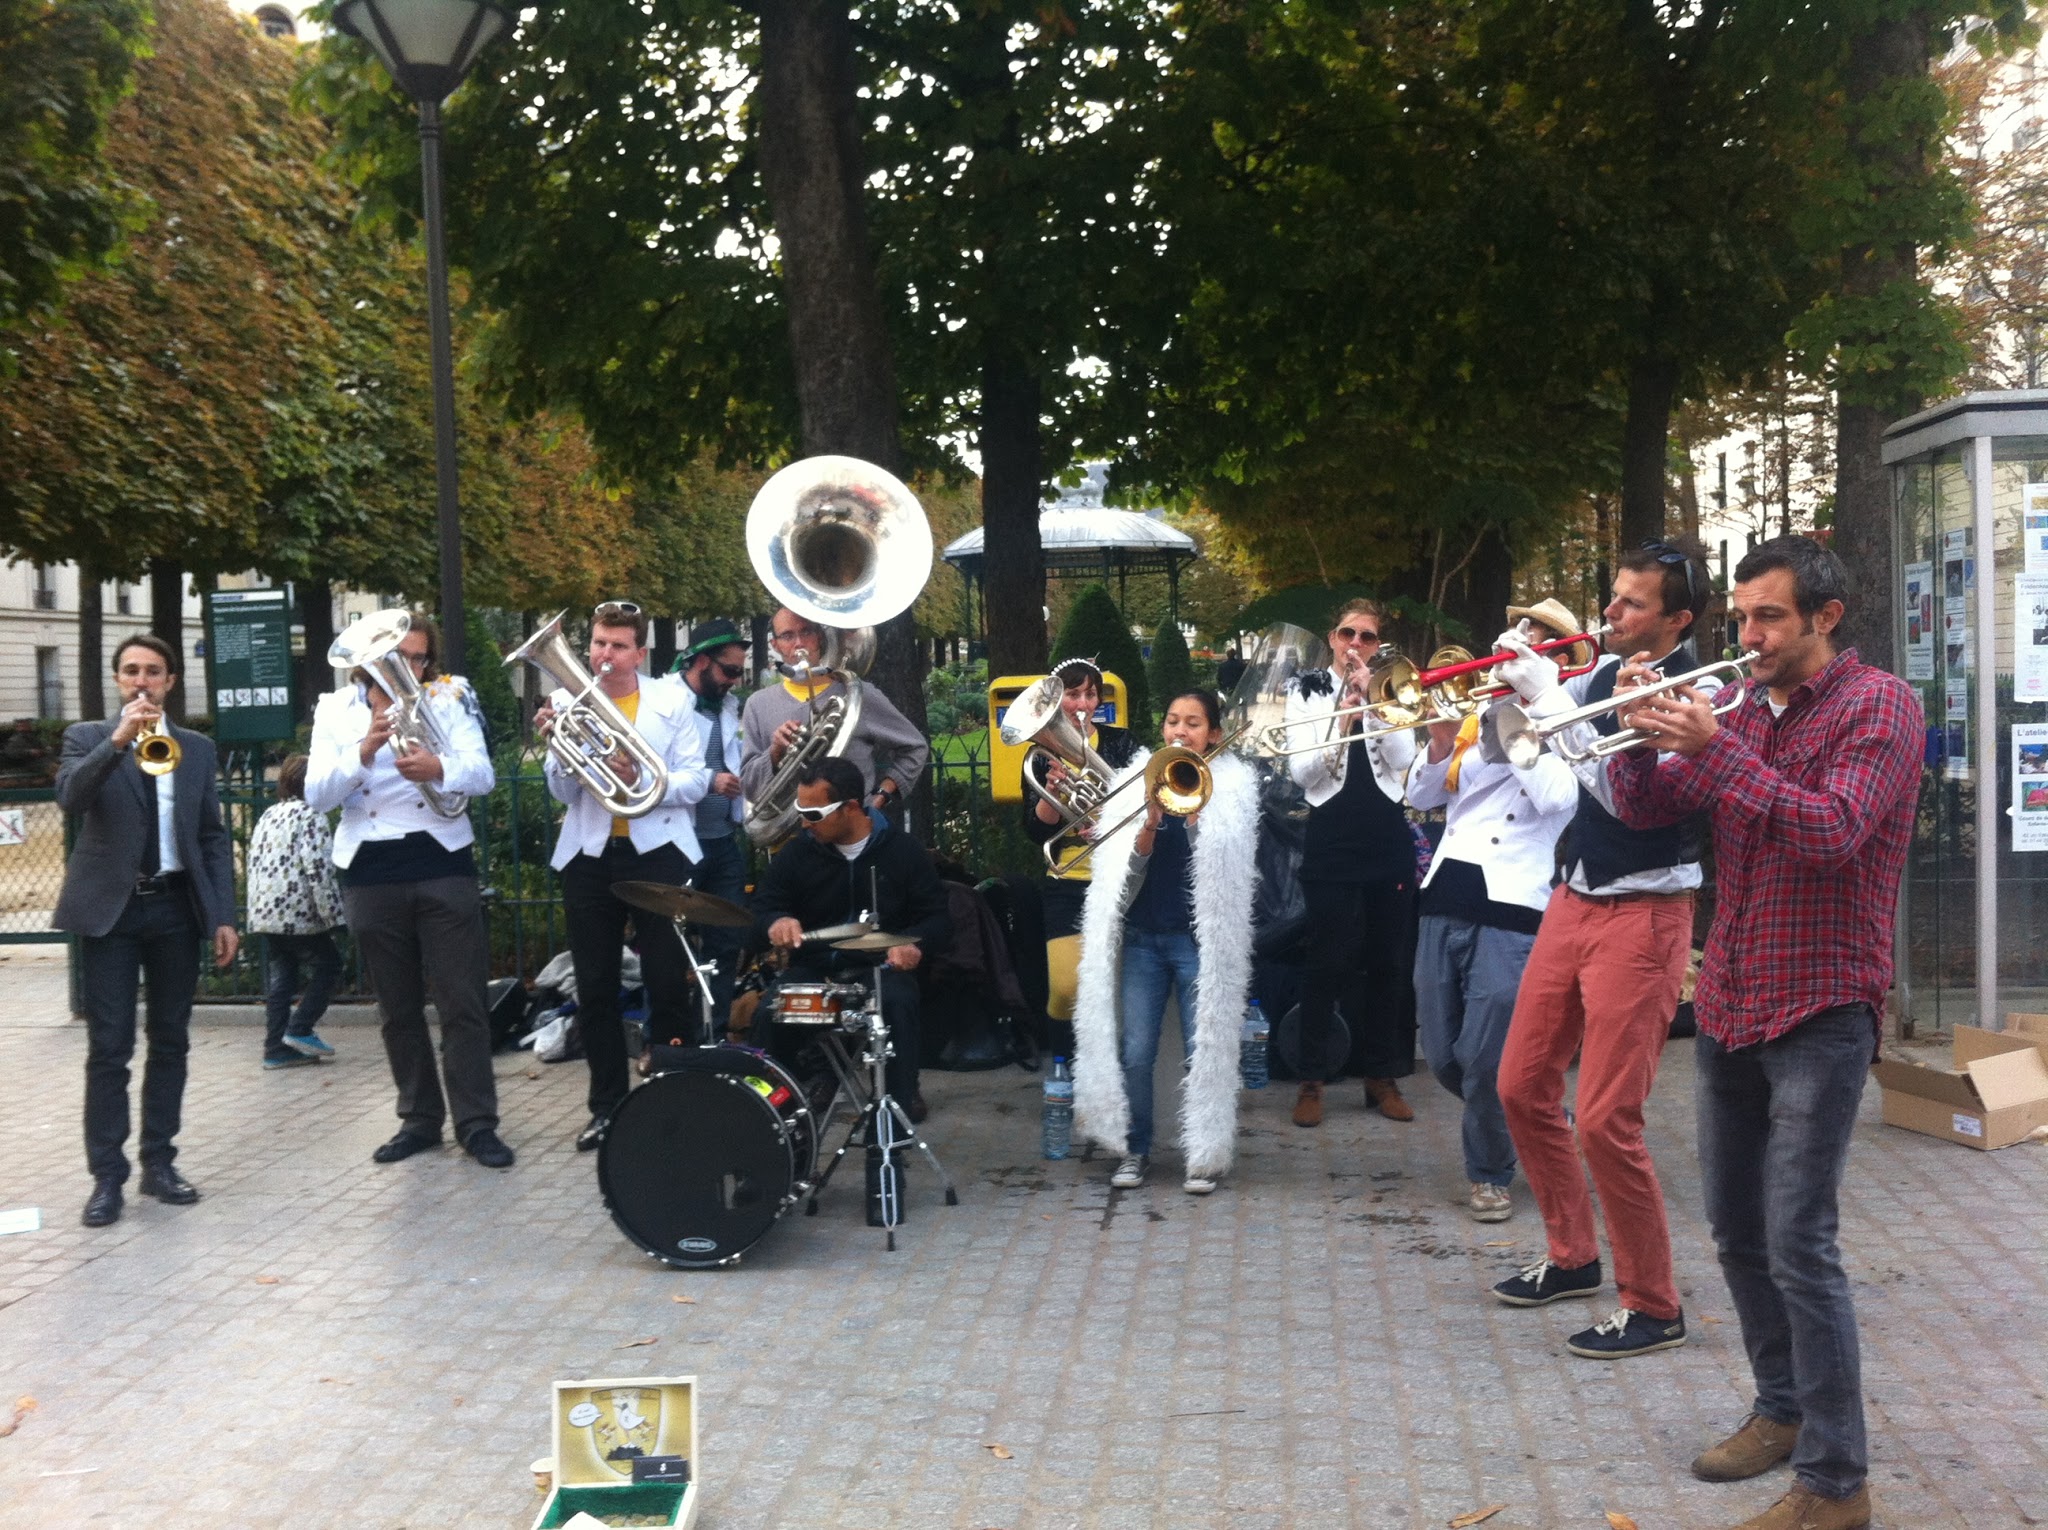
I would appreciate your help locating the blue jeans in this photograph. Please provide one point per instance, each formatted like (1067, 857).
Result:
(1774, 1127)
(1153, 965)
(283, 955)
(1466, 976)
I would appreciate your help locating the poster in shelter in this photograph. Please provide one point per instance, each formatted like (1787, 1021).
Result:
(1920, 621)
(2030, 786)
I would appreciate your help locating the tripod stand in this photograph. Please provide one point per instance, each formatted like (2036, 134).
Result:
(883, 1124)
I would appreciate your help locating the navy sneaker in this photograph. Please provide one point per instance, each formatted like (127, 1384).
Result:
(1543, 1283)
(290, 1060)
(310, 1045)
(1628, 1333)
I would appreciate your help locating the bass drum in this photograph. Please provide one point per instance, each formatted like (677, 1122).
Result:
(698, 1162)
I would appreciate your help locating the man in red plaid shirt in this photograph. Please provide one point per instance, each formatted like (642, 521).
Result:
(1810, 785)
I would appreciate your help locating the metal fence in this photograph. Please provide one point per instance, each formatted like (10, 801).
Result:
(515, 833)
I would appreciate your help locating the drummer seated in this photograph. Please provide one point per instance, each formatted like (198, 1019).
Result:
(847, 865)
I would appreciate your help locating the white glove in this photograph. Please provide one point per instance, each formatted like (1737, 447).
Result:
(1532, 675)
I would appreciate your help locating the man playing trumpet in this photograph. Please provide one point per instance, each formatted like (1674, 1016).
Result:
(597, 848)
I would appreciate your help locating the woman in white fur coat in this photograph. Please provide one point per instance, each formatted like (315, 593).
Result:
(1170, 908)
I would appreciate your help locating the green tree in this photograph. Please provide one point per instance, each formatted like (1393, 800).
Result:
(64, 64)
(1095, 629)
(1169, 670)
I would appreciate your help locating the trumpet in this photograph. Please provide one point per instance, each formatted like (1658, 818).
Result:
(370, 643)
(1522, 738)
(590, 731)
(156, 751)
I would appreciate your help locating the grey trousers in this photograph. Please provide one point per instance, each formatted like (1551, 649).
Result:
(1466, 976)
(417, 937)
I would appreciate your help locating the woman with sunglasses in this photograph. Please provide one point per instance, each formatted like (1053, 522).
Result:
(1357, 880)
(1169, 910)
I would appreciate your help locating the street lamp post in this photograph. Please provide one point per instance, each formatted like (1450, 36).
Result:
(428, 47)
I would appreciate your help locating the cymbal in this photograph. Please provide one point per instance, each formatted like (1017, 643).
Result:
(684, 903)
(876, 940)
(835, 932)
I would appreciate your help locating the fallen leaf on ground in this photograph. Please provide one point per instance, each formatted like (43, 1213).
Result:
(1476, 1516)
(266, 1280)
(337, 1381)
(1502, 1243)
(638, 1343)
(1705, 1319)
(23, 1407)
(458, 1402)
(533, 1073)
(1620, 1521)
(679, 1297)
(1000, 1452)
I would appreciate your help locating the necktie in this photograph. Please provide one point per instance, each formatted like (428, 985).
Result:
(1468, 735)
(152, 847)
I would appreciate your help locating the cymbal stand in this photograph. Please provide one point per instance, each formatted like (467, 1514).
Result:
(883, 1124)
(703, 971)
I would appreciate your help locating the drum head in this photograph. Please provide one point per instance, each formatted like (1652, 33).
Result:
(695, 1164)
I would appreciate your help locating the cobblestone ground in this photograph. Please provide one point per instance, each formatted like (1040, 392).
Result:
(325, 1342)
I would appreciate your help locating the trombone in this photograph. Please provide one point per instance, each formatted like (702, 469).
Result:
(1175, 777)
(1523, 738)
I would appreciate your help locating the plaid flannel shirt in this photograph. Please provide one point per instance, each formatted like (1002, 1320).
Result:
(1812, 815)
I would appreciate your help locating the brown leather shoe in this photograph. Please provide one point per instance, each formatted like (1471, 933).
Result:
(1384, 1095)
(1757, 1446)
(1804, 1509)
(1308, 1105)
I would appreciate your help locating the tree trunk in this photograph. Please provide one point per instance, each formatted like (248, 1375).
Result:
(1645, 438)
(838, 341)
(316, 615)
(1688, 489)
(167, 621)
(1013, 561)
(92, 648)
(664, 645)
(1890, 54)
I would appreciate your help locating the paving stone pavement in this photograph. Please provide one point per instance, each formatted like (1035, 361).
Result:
(325, 1342)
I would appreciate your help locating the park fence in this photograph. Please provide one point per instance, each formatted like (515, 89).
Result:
(515, 834)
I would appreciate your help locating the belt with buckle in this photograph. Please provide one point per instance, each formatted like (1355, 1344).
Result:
(162, 882)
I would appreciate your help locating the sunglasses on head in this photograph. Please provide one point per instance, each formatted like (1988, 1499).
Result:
(820, 813)
(1358, 634)
(609, 610)
(1666, 554)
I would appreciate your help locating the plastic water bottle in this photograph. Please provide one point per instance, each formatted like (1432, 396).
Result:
(1251, 1051)
(1057, 1124)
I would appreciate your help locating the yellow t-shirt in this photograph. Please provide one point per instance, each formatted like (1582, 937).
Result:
(630, 705)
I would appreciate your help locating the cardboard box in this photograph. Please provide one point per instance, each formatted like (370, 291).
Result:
(601, 1428)
(1995, 1095)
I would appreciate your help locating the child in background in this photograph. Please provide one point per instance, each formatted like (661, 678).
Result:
(295, 904)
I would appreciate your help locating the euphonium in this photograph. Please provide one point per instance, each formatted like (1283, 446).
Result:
(590, 730)
(845, 545)
(370, 643)
(155, 750)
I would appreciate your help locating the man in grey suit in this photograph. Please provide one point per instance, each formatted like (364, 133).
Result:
(150, 873)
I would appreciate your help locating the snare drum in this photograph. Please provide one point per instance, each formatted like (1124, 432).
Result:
(698, 1162)
(828, 1004)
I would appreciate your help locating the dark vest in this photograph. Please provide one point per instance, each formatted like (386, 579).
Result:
(1609, 848)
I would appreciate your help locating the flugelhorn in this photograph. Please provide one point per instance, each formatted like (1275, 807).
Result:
(1523, 738)
(845, 545)
(589, 730)
(370, 644)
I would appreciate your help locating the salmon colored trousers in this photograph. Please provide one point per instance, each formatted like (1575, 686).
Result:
(1602, 981)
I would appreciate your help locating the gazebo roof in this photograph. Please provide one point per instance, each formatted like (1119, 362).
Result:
(1091, 540)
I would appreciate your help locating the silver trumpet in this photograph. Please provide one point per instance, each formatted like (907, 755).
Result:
(1523, 738)
(370, 644)
(844, 544)
(590, 732)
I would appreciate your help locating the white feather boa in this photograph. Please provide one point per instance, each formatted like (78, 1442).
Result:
(1225, 874)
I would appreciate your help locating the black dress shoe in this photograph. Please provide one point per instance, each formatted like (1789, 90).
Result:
(592, 1134)
(103, 1206)
(485, 1146)
(168, 1186)
(404, 1145)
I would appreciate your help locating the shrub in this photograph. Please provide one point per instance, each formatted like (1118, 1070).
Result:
(1094, 628)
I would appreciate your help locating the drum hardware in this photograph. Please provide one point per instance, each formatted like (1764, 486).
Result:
(881, 1116)
(680, 903)
(876, 940)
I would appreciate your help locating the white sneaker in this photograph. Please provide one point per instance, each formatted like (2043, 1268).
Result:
(1130, 1173)
(1490, 1203)
(1198, 1184)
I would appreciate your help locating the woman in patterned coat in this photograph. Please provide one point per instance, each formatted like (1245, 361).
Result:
(295, 904)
